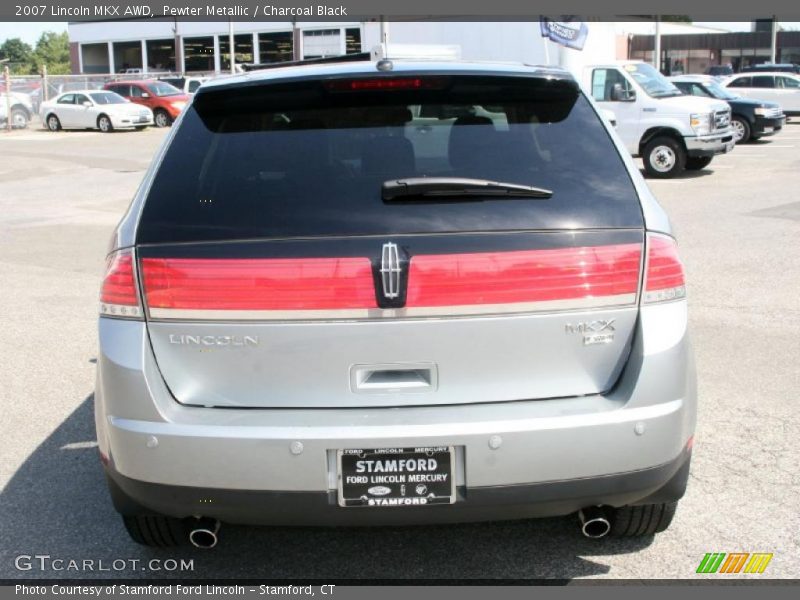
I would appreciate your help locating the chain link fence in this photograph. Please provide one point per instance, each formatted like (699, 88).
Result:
(29, 91)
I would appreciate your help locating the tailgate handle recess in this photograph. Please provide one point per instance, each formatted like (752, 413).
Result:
(388, 378)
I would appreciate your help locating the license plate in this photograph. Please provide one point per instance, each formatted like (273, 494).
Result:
(769, 129)
(391, 477)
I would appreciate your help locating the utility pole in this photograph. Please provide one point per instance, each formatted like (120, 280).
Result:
(657, 49)
(774, 43)
(297, 41)
(384, 37)
(231, 53)
(7, 79)
(45, 91)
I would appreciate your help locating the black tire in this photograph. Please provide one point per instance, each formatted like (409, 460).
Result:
(741, 130)
(19, 118)
(155, 530)
(104, 124)
(664, 157)
(52, 122)
(648, 519)
(695, 163)
(161, 118)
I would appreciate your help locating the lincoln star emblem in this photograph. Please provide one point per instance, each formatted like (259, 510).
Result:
(390, 270)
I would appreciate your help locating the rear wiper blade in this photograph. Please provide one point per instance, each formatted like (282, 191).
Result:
(456, 188)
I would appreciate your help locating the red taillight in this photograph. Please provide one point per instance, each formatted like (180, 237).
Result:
(596, 275)
(257, 284)
(118, 296)
(385, 84)
(664, 278)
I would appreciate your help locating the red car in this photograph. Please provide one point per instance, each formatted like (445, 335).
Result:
(166, 101)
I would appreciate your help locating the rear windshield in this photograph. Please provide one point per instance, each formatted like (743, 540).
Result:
(309, 159)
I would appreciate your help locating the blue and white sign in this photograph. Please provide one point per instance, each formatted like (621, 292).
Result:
(569, 33)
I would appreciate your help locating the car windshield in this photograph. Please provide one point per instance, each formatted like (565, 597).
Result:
(651, 81)
(163, 89)
(720, 92)
(107, 98)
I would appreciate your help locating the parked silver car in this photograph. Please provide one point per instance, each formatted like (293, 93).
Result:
(420, 293)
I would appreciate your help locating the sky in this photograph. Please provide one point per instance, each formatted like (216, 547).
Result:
(30, 32)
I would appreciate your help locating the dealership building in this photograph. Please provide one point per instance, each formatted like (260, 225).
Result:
(159, 45)
(171, 45)
(693, 53)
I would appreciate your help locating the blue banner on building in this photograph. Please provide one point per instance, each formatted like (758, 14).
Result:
(571, 34)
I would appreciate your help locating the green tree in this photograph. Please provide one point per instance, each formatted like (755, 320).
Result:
(52, 49)
(18, 54)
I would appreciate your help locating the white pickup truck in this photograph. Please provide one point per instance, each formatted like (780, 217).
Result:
(21, 109)
(670, 131)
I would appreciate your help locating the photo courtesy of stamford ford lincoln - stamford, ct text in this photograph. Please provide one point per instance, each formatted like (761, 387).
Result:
(378, 298)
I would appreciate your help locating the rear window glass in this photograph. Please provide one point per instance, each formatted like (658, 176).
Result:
(300, 160)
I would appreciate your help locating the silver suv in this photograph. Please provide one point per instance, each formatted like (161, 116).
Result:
(412, 293)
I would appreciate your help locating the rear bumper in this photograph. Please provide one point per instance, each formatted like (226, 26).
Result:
(664, 483)
(555, 456)
(709, 145)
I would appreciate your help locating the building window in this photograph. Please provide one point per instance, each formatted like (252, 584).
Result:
(352, 41)
(198, 53)
(242, 49)
(275, 47)
(94, 58)
(160, 55)
(127, 56)
(790, 55)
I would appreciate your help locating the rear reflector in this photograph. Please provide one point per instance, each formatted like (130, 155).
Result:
(385, 84)
(565, 278)
(118, 296)
(259, 284)
(438, 285)
(664, 277)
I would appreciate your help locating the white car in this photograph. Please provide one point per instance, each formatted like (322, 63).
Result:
(94, 109)
(783, 88)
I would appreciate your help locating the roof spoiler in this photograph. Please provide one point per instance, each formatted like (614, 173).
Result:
(344, 58)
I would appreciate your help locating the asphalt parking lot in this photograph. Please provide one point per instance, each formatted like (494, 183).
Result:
(738, 225)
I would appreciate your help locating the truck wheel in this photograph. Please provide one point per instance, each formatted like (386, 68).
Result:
(664, 157)
(155, 530)
(695, 163)
(741, 130)
(19, 118)
(648, 519)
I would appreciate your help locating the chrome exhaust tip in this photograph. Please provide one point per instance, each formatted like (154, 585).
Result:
(594, 523)
(204, 535)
